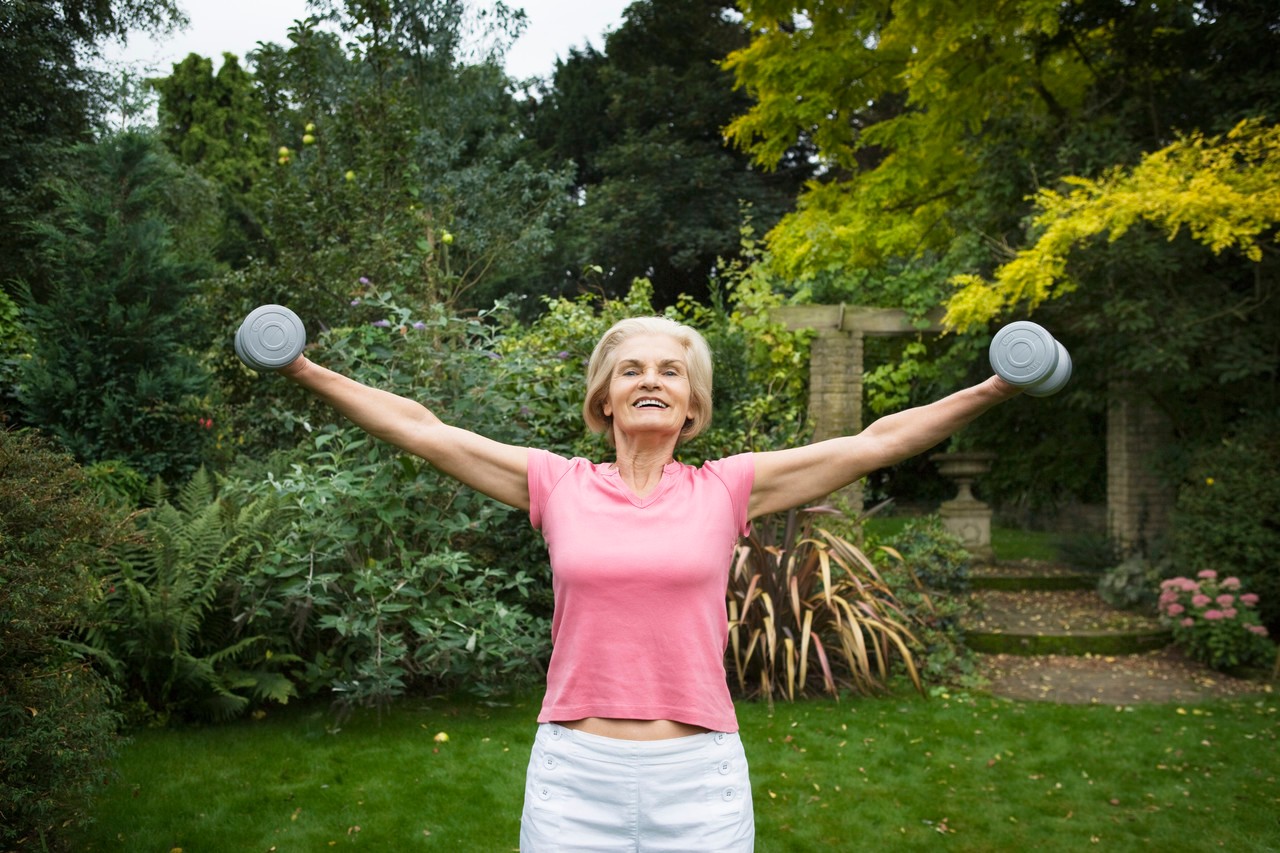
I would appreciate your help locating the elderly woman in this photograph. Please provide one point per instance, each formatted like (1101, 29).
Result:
(637, 745)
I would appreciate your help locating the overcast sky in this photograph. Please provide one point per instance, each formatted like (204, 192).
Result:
(236, 26)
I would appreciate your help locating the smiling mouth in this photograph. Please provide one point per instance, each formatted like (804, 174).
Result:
(649, 404)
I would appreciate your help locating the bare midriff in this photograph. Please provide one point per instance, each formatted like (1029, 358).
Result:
(633, 729)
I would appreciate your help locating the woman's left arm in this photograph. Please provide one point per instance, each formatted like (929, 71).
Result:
(796, 476)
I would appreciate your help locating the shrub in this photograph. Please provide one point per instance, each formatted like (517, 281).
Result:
(928, 569)
(115, 372)
(165, 621)
(809, 613)
(1131, 585)
(391, 577)
(1226, 513)
(57, 727)
(1215, 620)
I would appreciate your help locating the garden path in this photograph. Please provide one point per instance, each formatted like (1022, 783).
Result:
(1046, 635)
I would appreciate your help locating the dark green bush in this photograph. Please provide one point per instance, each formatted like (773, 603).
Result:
(115, 372)
(166, 621)
(57, 727)
(928, 569)
(1227, 516)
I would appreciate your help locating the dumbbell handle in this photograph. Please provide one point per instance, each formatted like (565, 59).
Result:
(1026, 355)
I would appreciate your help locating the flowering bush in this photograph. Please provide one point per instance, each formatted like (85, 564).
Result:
(1216, 622)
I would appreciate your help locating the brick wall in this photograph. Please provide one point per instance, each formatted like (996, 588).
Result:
(1138, 499)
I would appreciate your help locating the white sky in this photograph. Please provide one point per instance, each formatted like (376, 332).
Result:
(236, 26)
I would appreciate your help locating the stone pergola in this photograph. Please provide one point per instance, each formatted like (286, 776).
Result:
(1138, 503)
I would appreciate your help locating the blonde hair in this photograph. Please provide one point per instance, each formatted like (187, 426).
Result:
(603, 359)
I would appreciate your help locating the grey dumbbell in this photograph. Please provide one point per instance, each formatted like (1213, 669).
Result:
(271, 337)
(1025, 354)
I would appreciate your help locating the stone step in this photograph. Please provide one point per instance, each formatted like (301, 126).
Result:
(1029, 575)
(1057, 622)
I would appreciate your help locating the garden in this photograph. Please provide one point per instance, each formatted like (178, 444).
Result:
(232, 620)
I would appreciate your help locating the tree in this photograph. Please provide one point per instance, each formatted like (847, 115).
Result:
(114, 372)
(216, 123)
(52, 97)
(939, 125)
(658, 192)
(935, 122)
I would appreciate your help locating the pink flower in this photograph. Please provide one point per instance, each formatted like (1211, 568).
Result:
(1249, 599)
(1175, 609)
(1226, 600)
(1188, 622)
(1201, 600)
(1260, 630)
(1213, 615)
(1229, 613)
(1231, 583)
(1207, 574)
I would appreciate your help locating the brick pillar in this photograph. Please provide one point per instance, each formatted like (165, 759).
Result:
(835, 392)
(1138, 498)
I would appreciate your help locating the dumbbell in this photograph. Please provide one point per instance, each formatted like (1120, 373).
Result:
(271, 337)
(1025, 354)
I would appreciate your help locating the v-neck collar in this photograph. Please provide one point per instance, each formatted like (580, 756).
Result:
(609, 471)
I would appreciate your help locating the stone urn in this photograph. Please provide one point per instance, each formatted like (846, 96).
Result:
(964, 515)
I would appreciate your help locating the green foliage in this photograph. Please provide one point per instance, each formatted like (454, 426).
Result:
(216, 123)
(394, 155)
(660, 191)
(57, 727)
(166, 623)
(390, 576)
(1226, 511)
(1223, 190)
(1215, 619)
(928, 569)
(114, 372)
(53, 98)
(1131, 585)
(936, 557)
(809, 613)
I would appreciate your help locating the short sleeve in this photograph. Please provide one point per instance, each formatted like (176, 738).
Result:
(545, 470)
(738, 473)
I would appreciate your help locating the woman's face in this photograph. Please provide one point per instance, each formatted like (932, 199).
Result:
(648, 387)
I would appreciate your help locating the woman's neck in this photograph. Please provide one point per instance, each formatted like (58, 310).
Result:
(641, 467)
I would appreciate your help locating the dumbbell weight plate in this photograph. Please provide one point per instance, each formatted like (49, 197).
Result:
(1054, 382)
(1024, 353)
(271, 337)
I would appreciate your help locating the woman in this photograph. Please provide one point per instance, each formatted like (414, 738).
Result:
(637, 745)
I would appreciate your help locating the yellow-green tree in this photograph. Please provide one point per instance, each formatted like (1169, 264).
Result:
(1084, 159)
(1224, 191)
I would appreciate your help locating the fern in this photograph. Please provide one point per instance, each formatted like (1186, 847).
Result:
(167, 625)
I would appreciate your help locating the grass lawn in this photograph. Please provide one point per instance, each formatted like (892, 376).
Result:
(1008, 543)
(954, 772)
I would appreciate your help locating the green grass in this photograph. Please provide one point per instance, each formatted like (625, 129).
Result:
(1006, 542)
(957, 772)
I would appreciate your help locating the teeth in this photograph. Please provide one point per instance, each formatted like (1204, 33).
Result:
(650, 404)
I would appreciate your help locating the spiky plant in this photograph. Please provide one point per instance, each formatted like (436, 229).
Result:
(809, 614)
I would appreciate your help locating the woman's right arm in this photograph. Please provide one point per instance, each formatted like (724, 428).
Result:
(495, 469)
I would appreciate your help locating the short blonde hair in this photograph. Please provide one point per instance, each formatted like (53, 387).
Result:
(603, 359)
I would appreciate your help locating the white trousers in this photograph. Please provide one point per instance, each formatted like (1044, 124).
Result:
(589, 793)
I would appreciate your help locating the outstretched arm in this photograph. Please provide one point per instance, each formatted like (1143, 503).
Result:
(498, 470)
(799, 475)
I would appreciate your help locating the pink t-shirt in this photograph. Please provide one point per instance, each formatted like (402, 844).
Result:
(640, 624)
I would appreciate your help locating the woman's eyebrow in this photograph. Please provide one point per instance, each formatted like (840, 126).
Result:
(635, 362)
